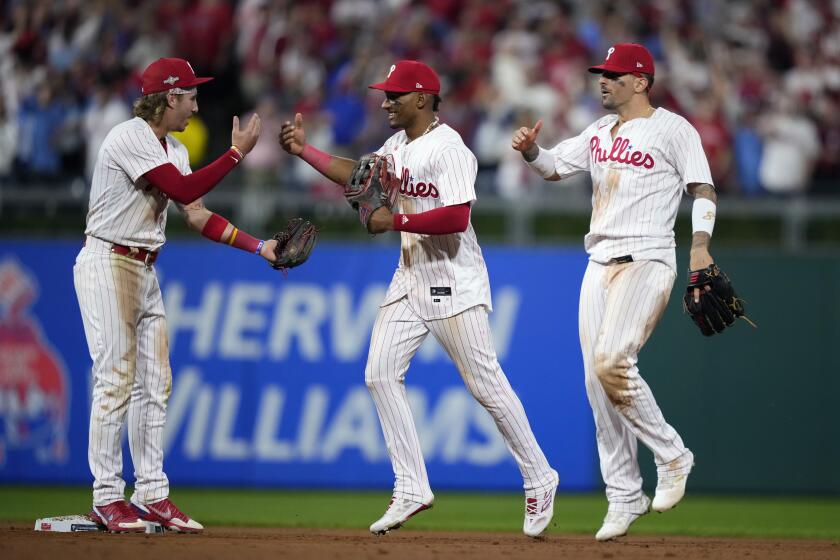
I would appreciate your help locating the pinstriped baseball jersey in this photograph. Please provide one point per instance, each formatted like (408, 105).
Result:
(124, 207)
(122, 311)
(637, 182)
(442, 275)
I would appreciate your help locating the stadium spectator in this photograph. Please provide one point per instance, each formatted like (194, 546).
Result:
(8, 140)
(40, 120)
(791, 148)
(525, 52)
(106, 110)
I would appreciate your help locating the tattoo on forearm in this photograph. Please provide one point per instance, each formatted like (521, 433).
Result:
(700, 240)
(705, 190)
(531, 153)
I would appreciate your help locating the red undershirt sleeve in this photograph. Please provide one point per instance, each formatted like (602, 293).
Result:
(438, 221)
(187, 188)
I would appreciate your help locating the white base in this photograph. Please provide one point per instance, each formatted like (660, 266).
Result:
(81, 523)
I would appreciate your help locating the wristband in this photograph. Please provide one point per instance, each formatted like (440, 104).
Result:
(259, 247)
(543, 163)
(232, 237)
(316, 158)
(703, 214)
(215, 227)
(239, 152)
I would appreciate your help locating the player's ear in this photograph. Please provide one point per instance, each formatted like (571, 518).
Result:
(422, 99)
(640, 84)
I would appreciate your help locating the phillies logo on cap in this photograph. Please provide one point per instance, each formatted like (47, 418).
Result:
(164, 73)
(626, 58)
(410, 75)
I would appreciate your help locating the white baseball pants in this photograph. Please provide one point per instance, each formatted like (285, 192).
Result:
(620, 305)
(467, 339)
(125, 327)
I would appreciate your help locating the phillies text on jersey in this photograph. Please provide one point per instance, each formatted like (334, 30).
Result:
(638, 178)
(442, 275)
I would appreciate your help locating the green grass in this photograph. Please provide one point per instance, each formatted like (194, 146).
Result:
(700, 515)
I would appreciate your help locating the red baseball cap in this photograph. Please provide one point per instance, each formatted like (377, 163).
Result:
(409, 75)
(626, 58)
(167, 73)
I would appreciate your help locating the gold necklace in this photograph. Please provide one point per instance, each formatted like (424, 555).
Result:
(432, 126)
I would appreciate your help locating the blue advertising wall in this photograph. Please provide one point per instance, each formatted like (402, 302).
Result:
(268, 371)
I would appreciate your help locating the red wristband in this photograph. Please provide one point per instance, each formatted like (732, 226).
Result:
(242, 240)
(316, 158)
(215, 227)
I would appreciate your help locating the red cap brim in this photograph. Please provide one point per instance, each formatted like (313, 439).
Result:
(198, 81)
(601, 68)
(384, 86)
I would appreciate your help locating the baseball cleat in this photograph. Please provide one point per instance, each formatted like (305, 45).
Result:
(117, 517)
(617, 523)
(670, 488)
(538, 512)
(168, 515)
(399, 511)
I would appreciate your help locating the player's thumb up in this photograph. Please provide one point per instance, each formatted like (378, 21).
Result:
(535, 131)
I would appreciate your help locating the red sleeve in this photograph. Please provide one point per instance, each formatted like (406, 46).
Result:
(438, 221)
(187, 188)
(215, 228)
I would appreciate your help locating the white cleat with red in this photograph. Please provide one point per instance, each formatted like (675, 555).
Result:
(118, 517)
(538, 512)
(399, 511)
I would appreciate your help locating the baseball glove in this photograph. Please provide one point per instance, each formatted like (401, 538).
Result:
(719, 305)
(373, 184)
(294, 244)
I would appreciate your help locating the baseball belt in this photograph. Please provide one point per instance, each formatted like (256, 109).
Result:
(148, 257)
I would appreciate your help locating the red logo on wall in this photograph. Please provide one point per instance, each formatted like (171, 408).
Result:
(34, 392)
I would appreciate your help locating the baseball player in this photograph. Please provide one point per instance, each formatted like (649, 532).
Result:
(140, 167)
(641, 158)
(440, 287)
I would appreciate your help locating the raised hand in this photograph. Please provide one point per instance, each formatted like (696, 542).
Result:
(246, 139)
(525, 140)
(292, 136)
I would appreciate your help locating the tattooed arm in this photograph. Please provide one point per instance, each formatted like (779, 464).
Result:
(700, 240)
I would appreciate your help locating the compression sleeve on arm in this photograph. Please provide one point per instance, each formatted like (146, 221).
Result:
(316, 158)
(187, 188)
(216, 227)
(703, 214)
(438, 221)
(543, 163)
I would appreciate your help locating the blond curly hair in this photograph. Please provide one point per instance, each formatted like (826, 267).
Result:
(151, 107)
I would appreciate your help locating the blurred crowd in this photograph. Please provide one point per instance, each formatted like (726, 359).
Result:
(759, 79)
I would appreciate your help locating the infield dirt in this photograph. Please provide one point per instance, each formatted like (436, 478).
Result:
(21, 542)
